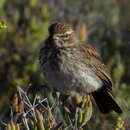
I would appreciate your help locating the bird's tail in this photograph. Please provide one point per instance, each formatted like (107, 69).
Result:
(105, 102)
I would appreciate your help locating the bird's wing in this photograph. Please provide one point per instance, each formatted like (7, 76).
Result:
(44, 53)
(94, 61)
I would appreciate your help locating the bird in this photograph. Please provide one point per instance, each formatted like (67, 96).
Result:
(75, 67)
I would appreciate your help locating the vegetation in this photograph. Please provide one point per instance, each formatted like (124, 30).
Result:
(23, 26)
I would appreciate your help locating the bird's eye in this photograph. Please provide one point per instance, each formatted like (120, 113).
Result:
(65, 36)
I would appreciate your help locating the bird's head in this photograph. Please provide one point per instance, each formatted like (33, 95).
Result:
(62, 34)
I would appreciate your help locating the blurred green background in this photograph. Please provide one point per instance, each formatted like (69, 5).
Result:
(104, 23)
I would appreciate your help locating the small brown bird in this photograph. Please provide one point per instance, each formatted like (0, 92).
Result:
(75, 68)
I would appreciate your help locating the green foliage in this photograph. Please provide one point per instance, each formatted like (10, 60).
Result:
(39, 115)
(19, 44)
(119, 124)
(2, 25)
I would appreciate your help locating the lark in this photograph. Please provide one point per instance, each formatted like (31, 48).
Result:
(74, 67)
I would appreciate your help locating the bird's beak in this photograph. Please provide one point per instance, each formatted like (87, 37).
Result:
(55, 37)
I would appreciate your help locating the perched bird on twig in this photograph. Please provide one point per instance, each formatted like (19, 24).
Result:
(75, 68)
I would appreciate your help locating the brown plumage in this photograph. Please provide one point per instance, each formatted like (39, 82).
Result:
(75, 68)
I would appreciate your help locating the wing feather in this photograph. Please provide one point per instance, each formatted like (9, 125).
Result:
(94, 60)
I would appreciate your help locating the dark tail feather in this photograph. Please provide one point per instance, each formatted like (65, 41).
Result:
(105, 102)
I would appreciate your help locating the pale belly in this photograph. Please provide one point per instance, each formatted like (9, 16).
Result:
(72, 78)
